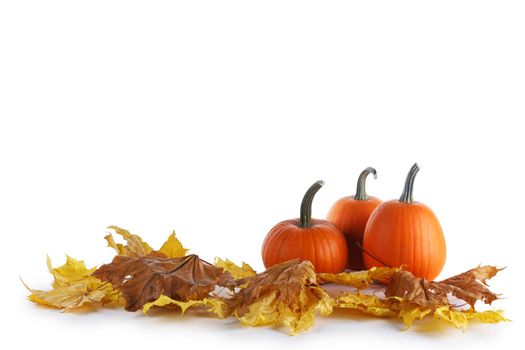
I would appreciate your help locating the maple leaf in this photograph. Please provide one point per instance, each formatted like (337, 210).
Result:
(469, 286)
(73, 270)
(287, 293)
(238, 272)
(144, 279)
(73, 286)
(359, 279)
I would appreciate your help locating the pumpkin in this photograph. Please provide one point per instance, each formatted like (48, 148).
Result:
(350, 214)
(318, 241)
(405, 232)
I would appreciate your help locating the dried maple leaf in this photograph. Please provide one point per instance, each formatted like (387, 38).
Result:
(469, 286)
(472, 285)
(287, 293)
(144, 279)
(238, 272)
(73, 286)
(359, 279)
(73, 270)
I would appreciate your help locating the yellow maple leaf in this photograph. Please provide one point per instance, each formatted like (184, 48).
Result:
(69, 297)
(73, 286)
(238, 272)
(135, 246)
(173, 248)
(215, 305)
(73, 270)
(359, 279)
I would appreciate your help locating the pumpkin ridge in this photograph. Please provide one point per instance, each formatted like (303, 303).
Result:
(327, 247)
(315, 248)
(282, 254)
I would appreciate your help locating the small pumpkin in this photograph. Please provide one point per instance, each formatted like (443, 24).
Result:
(405, 232)
(350, 214)
(318, 241)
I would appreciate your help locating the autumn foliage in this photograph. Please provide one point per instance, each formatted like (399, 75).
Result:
(288, 294)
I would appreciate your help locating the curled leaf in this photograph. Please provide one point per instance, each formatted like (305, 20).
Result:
(472, 285)
(135, 247)
(238, 272)
(359, 279)
(287, 294)
(144, 279)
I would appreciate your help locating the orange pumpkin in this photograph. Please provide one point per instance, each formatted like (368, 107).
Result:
(404, 232)
(318, 241)
(350, 214)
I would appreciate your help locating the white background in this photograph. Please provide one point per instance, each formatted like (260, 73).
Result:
(213, 117)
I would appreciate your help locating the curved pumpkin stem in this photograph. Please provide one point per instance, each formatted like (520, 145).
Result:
(306, 204)
(360, 193)
(406, 196)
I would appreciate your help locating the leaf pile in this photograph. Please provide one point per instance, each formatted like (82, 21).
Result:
(289, 294)
(409, 298)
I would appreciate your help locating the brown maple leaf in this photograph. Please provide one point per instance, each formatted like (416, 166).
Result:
(469, 286)
(144, 279)
(287, 293)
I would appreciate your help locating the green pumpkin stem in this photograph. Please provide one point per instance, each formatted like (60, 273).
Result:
(306, 204)
(360, 193)
(406, 196)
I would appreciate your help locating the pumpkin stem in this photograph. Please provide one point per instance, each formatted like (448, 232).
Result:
(406, 196)
(306, 204)
(360, 194)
